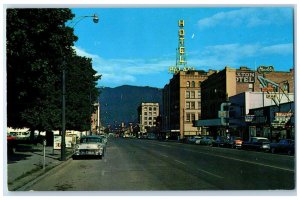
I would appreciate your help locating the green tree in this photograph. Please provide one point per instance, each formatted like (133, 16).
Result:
(39, 46)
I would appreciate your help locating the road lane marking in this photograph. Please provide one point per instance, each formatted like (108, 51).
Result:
(245, 161)
(164, 155)
(164, 145)
(180, 162)
(210, 173)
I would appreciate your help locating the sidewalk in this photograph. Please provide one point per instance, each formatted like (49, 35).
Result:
(27, 164)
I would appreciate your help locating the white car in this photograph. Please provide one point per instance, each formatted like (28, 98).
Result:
(89, 146)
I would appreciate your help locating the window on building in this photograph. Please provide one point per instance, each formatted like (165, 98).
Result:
(250, 87)
(193, 83)
(199, 105)
(188, 117)
(187, 84)
(145, 113)
(187, 94)
(199, 116)
(150, 123)
(199, 94)
(286, 87)
(145, 118)
(145, 123)
(154, 108)
(150, 118)
(150, 108)
(187, 105)
(150, 113)
(192, 105)
(193, 94)
(193, 116)
(154, 113)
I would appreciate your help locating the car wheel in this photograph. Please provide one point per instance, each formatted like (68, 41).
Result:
(273, 150)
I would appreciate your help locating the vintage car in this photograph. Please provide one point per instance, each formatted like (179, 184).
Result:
(283, 146)
(257, 143)
(89, 146)
(235, 142)
(220, 141)
(207, 140)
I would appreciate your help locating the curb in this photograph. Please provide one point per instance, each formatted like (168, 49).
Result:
(40, 175)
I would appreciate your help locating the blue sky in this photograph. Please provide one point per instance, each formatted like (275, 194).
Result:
(136, 46)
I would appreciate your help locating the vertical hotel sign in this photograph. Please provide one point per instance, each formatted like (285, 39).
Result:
(180, 52)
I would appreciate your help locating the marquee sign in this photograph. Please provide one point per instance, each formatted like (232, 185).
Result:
(180, 53)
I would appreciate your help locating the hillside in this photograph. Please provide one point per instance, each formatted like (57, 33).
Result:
(120, 104)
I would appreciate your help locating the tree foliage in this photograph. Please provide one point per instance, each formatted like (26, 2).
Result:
(39, 47)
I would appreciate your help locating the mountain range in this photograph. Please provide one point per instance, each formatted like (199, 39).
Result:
(120, 104)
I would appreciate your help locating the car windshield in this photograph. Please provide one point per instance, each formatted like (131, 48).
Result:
(90, 140)
(263, 140)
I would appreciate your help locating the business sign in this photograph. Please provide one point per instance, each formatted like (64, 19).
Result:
(57, 142)
(245, 77)
(249, 118)
(265, 69)
(271, 96)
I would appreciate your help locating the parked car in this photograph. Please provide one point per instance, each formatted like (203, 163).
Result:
(283, 146)
(193, 139)
(23, 135)
(220, 141)
(235, 142)
(257, 143)
(89, 146)
(207, 140)
(11, 142)
(198, 139)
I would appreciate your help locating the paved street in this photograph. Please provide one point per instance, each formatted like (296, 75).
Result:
(132, 164)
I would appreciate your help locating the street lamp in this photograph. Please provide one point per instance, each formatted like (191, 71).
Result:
(63, 132)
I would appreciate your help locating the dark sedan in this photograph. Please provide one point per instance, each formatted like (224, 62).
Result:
(283, 146)
(257, 143)
(220, 141)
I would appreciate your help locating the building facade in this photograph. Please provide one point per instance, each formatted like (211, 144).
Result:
(182, 103)
(148, 112)
(266, 88)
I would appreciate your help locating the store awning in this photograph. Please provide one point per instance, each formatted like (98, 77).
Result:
(208, 122)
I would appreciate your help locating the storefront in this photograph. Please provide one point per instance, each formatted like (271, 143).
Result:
(273, 122)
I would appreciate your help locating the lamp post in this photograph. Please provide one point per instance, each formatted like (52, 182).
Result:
(63, 131)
